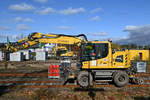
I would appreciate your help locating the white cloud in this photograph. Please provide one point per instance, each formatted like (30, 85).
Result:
(5, 28)
(98, 33)
(41, 1)
(96, 10)
(46, 11)
(72, 11)
(101, 33)
(67, 11)
(137, 35)
(23, 27)
(96, 18)
(130, 27)
(20, 19)
(65, 27)
(21, 7)
(28, 20)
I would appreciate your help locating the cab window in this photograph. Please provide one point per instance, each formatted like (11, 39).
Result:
(93, 51)
(102, 50)
(89, 52)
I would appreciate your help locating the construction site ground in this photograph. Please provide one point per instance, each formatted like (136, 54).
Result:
(29, 80)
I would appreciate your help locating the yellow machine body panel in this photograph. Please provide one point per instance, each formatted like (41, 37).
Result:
(121, 59)
(139, 55)
(67, 54)
(55, 49)
(22, 40)
(61, 40)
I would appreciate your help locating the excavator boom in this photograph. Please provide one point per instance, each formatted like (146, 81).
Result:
(36, 38)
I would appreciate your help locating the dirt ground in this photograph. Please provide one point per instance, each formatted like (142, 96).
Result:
(19, 93)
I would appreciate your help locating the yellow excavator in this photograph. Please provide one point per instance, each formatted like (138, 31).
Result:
(62, 51)
(60, 39)
(36, 38)
(98, 61)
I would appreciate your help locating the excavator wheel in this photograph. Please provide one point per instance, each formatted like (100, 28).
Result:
(84, 79)
(121, 78)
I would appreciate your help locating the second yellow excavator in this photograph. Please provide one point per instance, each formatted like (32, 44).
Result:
(62, 51)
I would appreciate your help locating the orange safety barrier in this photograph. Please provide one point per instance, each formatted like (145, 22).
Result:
(54, 71)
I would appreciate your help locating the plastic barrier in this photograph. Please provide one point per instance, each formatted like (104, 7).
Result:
(54, 71)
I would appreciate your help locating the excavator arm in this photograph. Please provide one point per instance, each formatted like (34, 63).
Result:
(36, 38)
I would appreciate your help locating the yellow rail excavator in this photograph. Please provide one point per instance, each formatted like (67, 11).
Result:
(98, 61)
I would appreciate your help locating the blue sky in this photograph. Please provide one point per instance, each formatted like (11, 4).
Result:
(98, 19)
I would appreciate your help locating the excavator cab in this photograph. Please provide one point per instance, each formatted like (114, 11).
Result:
(95, 55)
(98, 50)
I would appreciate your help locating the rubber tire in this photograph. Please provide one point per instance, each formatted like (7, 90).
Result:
(118, 82)
(84, 76)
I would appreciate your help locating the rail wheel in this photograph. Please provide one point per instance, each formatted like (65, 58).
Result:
(140, 81)
(84, 79)
(121, 79)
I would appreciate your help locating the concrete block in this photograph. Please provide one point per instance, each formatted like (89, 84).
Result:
(1, 58)
(41, 56)
(16, 56)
